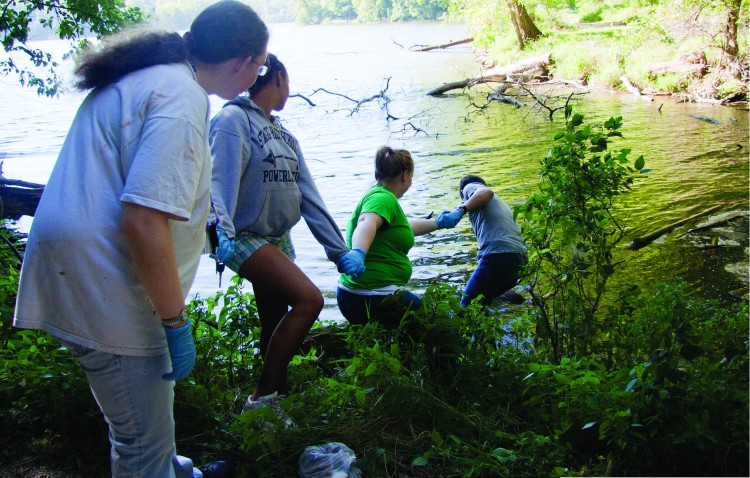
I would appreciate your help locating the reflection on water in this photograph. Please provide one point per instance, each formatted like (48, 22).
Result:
(693, 164)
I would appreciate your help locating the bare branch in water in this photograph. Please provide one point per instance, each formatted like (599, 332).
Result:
(382, 99)
(297, 95)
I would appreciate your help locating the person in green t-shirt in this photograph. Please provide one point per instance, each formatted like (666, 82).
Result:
(380, 236)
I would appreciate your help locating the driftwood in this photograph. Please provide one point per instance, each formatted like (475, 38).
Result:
(720, 221)
(497, 74)
(534, 63)
(691, 64)
(467, 83)
(640, 242)
(18, 198)
(444, 45)
(632, 89)
(495, 96)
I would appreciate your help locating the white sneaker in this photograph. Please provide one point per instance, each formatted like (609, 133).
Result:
(271, 400)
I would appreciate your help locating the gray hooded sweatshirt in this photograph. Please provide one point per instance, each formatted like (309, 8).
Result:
(260, 181)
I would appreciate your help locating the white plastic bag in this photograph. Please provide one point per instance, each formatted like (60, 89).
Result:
(331, 460)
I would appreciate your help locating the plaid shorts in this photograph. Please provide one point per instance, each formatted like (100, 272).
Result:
(246, 243)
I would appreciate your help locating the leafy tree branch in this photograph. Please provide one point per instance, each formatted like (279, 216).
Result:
(66, 19)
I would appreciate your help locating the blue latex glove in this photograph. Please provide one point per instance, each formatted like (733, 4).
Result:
(449, 219)
(352, 263)
(181, 351)
(226, 246)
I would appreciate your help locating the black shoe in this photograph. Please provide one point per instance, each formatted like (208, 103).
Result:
(512, 296)
(218, 469)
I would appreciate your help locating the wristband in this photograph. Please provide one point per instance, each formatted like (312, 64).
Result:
(174, 320)
(462, 208)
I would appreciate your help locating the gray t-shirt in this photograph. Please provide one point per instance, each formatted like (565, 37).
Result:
(494, 226)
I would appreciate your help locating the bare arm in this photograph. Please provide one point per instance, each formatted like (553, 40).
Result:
(367, 225)
(423, 226)
(150, 241)
(482, 195)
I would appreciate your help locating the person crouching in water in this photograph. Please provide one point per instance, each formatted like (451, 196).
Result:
(502, 252)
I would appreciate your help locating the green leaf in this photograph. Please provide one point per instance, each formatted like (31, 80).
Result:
(639, 163)
(588, 425)
(606, 270)
(420, 461)
(372, 368)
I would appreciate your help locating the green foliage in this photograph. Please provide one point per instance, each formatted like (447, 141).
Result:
(452, 391)
(487, 21)
(318, 11)
(571, 233)
(593, 16)
(9, 268)
(70, 20)
(43, 392)
(586, 381)
(637, 34)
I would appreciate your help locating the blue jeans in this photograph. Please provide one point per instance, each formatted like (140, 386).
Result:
(495, 274)
(387, 309)
(137, 405)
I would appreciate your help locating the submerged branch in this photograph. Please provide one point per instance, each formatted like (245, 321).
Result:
(444, 45)
(640, 242)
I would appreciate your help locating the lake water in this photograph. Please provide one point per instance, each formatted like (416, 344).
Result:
(694, 164)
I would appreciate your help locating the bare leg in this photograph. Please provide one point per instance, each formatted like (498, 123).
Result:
(278, 283)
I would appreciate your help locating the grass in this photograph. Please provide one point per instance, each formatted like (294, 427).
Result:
(629, 40)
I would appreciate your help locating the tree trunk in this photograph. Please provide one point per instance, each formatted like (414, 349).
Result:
(524, 26)
(730, 30)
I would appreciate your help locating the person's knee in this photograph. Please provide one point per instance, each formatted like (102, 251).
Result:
(310, 302)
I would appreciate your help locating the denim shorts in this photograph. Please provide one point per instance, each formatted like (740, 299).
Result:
(246, 243)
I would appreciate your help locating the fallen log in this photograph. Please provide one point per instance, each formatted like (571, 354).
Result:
(505, 99)
(533, 63)
(720, 221)
(497, 74)
(695, 63)
(467, 83)
(18, 198)
(629, 86)
(640, 242)
(632, 89)
(444, 45)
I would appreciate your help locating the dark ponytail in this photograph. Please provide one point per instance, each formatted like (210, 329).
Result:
(274, 66)
(389, 163)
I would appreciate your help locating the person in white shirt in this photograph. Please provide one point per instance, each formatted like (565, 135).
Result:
(118, 234)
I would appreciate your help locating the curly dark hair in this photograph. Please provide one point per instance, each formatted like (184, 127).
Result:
(227, 29)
